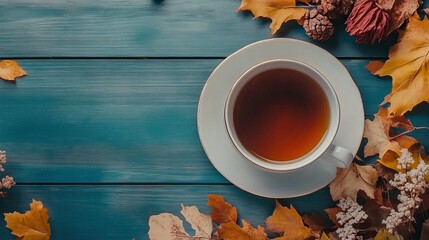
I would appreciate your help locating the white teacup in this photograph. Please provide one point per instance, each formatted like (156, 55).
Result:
(337, 155)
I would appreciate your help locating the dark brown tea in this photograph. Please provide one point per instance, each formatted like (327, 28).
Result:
(281, 114)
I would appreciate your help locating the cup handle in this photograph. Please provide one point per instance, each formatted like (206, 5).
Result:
(343, 156)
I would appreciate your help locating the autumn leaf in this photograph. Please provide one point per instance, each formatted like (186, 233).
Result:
(279, 11)
(332, 214)
(384, 172)
(379, 140)
(324, 237)
(349, 181)
(31, 225)
(390, 159)
(10, 70)
(376, 214)
(231, 231)
(401, 11)
(408, 66)
(288, 223)
(222, 212)
(201, 223)
(425, 230)
(374, 66)
(166, 226)
(383, 234)
(316, 223)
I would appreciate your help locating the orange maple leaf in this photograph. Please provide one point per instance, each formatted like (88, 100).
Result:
(222, 212)
(231, 230)
(288, 223)
(32, 225)
(408, 65)
(10, 70)
(279, 11)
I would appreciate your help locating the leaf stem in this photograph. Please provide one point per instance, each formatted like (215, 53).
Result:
(408, 131)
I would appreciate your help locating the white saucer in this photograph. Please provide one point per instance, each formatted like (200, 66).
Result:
(228, 160)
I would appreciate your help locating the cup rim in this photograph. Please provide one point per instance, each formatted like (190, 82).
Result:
(324, 142)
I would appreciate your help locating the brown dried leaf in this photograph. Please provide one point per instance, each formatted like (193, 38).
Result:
(316, 223)
(374, 66)
(376, 214)
(231, 231)
(279, 11)
(288, 223)
(333, 236)
(349, 181)
(424, 235)
(400, 122)
(222, 212)
(31, 225)
(201, 223)
(401, 11)
(167, 226)
(332, 214)
(10, 70)
(384, 172)
(377, 132)
(386, 5)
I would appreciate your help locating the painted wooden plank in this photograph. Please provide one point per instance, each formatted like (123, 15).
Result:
(106, 28)
(122, 212)
(121, 121)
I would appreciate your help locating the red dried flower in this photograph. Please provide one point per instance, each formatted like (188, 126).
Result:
(368, 22)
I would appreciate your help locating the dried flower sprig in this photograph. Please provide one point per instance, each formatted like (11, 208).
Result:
(2, 160)
(412, 185)
(352, 213)
(6, 182)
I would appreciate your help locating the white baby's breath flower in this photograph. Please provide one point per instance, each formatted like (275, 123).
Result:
(411, 185)
(405, 160)
(352, 213)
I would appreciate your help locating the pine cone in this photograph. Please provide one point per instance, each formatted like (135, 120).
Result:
(329, 8)
(346, 6)
(334, 8)
(318, 26)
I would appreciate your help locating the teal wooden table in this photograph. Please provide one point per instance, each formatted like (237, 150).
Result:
(103, 130)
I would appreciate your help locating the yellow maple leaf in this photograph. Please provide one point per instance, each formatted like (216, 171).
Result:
(287, 222)
(231, 231)
(324, 237)
(32, 225)
(279, 11)
(408, 65)
(383, 234)
(390, 159)
(349, 181)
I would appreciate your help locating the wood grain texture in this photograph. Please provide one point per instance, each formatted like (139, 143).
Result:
(173, 28)
(121, 121)
(122, 212)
